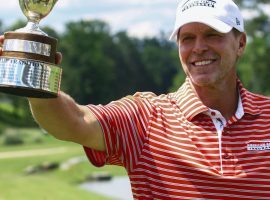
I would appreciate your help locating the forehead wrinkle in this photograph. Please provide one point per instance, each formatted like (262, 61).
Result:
(194, 28)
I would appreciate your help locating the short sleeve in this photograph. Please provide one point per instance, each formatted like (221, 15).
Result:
(124, 124)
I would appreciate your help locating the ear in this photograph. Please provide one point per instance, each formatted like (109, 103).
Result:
(242, 41)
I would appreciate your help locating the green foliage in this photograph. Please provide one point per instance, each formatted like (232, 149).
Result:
(252, 4)
(100, 67)
(14, 111)
(160, 58)
(51, 32)
(253, 68)
(88, 70)
(18, 24)
(19, 136)
(10, 137)
(1, 27)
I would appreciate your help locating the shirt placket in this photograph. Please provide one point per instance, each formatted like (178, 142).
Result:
(225, 155)
(219, 122)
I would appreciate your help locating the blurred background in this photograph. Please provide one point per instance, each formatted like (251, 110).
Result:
(111, 48)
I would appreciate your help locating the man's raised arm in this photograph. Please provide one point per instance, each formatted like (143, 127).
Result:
(63, 118)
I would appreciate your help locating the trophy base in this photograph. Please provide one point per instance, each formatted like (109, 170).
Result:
(26, 66)
(29, 78)
(26, 92)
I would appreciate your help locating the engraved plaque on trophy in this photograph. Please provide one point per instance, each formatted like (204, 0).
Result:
(27, 64)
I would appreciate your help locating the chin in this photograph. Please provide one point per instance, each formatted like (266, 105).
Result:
(203, 81)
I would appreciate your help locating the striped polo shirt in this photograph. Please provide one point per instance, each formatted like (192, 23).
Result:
(174, 147)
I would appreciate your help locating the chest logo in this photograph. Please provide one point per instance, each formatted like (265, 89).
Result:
(258, 145)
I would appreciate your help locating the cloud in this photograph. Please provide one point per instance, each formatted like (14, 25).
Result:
(266, 8)
(144, 29)
(9, 5)
(78, 3)
(141, 21)
(137, 17)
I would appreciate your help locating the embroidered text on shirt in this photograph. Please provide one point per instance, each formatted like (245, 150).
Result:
(258, 146)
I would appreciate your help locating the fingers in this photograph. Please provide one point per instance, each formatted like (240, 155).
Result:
(1, 40)
(58, 58)
(1, 44)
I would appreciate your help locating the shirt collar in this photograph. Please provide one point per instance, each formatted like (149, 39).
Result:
(188, 101)
(190, 104)
(249, 105)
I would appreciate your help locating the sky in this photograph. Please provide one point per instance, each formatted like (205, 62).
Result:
(140, 18)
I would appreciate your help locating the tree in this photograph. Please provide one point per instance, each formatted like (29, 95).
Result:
(87, 71)
(100, 67)
(254, 66)
(161, 62)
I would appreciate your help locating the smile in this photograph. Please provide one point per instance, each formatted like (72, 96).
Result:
(202, 63)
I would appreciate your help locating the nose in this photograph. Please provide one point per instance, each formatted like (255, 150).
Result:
(200, 46)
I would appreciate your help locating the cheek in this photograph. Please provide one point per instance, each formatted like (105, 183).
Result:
(231, 55)
(183, 54)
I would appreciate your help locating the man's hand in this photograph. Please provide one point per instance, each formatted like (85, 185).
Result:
(58, 58)
(1, 44)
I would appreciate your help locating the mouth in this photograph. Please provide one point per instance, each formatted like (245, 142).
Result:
(202, 63)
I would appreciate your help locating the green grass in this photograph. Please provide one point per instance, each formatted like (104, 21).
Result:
(54, 185)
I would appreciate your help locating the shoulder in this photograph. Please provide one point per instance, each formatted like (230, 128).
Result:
(154, 101)
(259, 101)
(143, 101)
(151, 96)
(258, 97)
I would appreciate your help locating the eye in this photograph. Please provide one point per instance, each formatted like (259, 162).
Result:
(214, 35)
(186, 38)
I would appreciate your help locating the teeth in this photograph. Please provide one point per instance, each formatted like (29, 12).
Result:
(203, 63)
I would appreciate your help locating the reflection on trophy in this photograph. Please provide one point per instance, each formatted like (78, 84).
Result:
(27, 65)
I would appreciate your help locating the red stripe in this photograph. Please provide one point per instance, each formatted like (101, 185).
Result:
(171, 150)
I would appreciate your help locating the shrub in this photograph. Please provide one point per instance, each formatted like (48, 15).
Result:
(12, 137)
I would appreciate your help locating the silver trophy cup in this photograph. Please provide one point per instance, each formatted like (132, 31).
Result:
(27, 64)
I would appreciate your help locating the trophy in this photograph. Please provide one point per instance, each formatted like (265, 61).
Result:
(27, 64)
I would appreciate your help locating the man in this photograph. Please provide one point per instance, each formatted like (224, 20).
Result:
(208, 140)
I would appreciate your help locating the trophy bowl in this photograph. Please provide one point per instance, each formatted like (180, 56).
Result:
(27, 64)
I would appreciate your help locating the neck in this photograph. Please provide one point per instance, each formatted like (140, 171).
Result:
(222, 97)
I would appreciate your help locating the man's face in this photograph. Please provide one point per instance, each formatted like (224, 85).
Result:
(207, 56)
